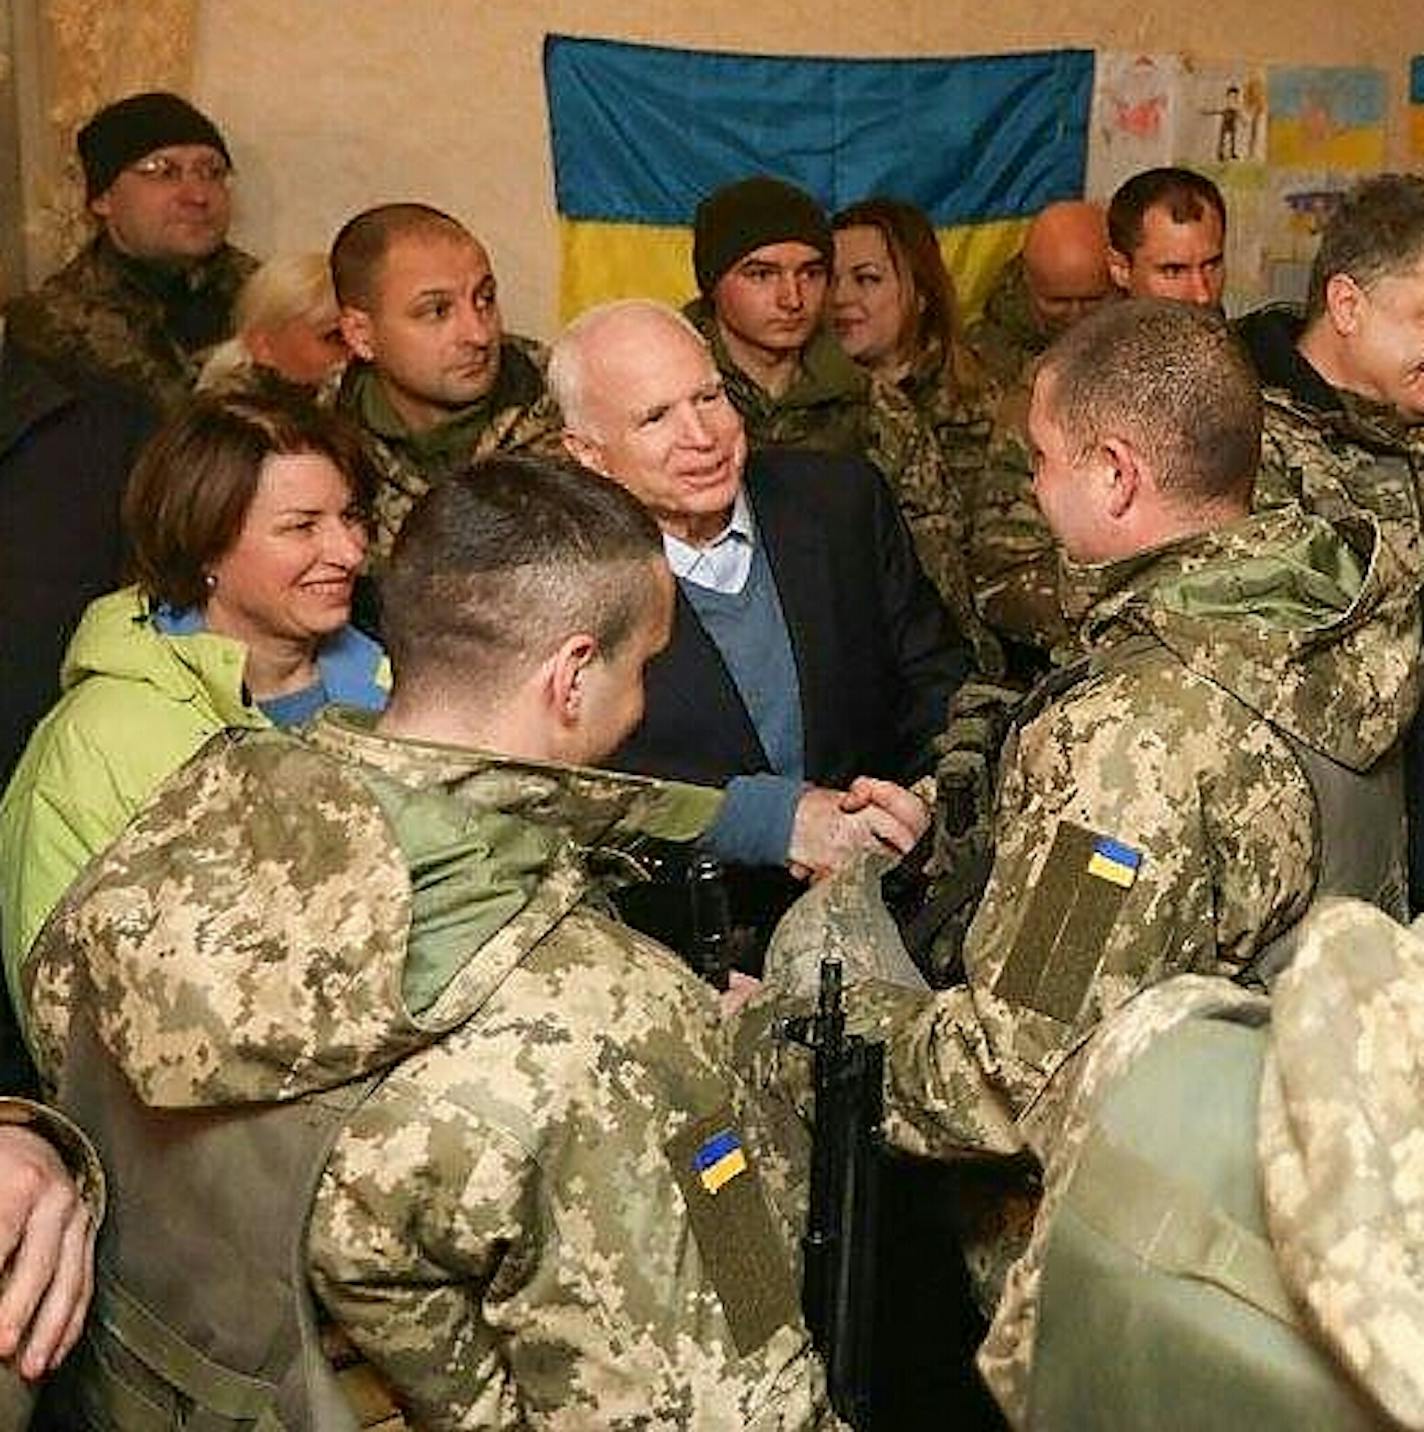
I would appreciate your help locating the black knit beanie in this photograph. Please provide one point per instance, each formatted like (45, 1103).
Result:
(740, 217)
(125, 131)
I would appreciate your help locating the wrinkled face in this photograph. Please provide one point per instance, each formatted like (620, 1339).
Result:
(611, 685)
(1387, 344)
(305, 350)
(660, 424)
(171, 206)
(772, 298)
(872, 307)
(290, 573)
(1185, 262)
(1062, 482)
(433, 329)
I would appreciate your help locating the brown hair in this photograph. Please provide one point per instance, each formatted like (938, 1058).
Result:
(1376, 231)
(914, 250)
(1172, 378)
(360, 248)
(190, 490)
(1183, 193)
(499, 562)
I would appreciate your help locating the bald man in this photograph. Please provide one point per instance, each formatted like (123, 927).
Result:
(1061, 274)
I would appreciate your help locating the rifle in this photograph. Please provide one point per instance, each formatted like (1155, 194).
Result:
(838, 1288)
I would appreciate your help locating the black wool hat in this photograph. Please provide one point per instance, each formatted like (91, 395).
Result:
(127, 130)
(740, 217)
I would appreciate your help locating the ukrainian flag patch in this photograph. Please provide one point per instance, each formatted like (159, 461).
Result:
(1113, 861)
(719, 1160)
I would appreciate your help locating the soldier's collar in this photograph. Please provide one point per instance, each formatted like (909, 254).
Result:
(586, 802)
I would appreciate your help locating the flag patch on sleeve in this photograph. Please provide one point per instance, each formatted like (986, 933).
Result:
(719, 1160)
(1114, 861)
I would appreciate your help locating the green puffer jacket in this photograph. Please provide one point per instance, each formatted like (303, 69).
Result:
(139, 701)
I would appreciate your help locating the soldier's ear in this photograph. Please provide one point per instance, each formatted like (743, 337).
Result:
(1343, 301)
(566, 667)
(357, 330)
(1119, 269)
(1124, 475)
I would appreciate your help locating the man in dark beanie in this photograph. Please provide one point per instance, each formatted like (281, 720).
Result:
(155, 287)
(763, 253)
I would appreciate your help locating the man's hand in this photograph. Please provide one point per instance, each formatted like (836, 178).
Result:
(47, 1251)
(831, 826)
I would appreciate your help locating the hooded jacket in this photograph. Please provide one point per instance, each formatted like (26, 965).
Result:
(551, 1200)
(142, 692)
(1155, 816)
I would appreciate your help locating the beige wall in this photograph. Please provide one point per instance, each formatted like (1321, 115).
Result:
(331, 105)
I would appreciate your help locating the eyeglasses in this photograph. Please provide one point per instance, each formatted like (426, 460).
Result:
(159, 169)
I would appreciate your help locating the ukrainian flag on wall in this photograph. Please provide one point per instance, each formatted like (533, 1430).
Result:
(641, 133)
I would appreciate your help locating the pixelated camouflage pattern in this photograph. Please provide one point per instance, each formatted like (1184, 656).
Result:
(1341, 1142)
(1007, 338)
(95, 319)
(498, 1228)
(1013, 558)
(835, 406)
(1360, 458)
(1006, 1355)
(519, 415)
(1207, 648)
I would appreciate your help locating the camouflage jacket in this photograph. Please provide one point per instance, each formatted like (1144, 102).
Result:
(557, 1206)
(1153, 818)
(107, 316)
(516, 415)
(1354, 457)
(835, 406)
(1013, 559)
(1008, 337)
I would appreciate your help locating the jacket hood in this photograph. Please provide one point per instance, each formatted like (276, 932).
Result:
(1313, 625)
(1339, 1143)
(291, 914)
(118, 637)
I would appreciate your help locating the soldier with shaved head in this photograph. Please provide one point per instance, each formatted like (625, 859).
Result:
(436, 381)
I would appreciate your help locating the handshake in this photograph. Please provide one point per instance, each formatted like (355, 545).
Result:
(832, 826)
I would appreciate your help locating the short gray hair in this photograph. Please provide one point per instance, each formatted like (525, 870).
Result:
(568, 358)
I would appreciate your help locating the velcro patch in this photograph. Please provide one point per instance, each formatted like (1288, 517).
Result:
(1071, 910)
(744, 1256)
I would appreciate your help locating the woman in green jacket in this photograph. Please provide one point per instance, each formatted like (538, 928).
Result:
(247, 523)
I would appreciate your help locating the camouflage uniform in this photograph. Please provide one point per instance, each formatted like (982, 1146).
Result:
(1332, 1120)
(1008, 337)
(835, 406)
(556, 1206)
(1351, 458)
(1013, 558)
(1156, 817)
(516, 415)
(107, 316)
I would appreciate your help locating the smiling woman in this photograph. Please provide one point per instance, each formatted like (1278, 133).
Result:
(247, 524)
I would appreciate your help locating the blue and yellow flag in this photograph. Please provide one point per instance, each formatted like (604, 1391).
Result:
(641, 134)
(719, 1160)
